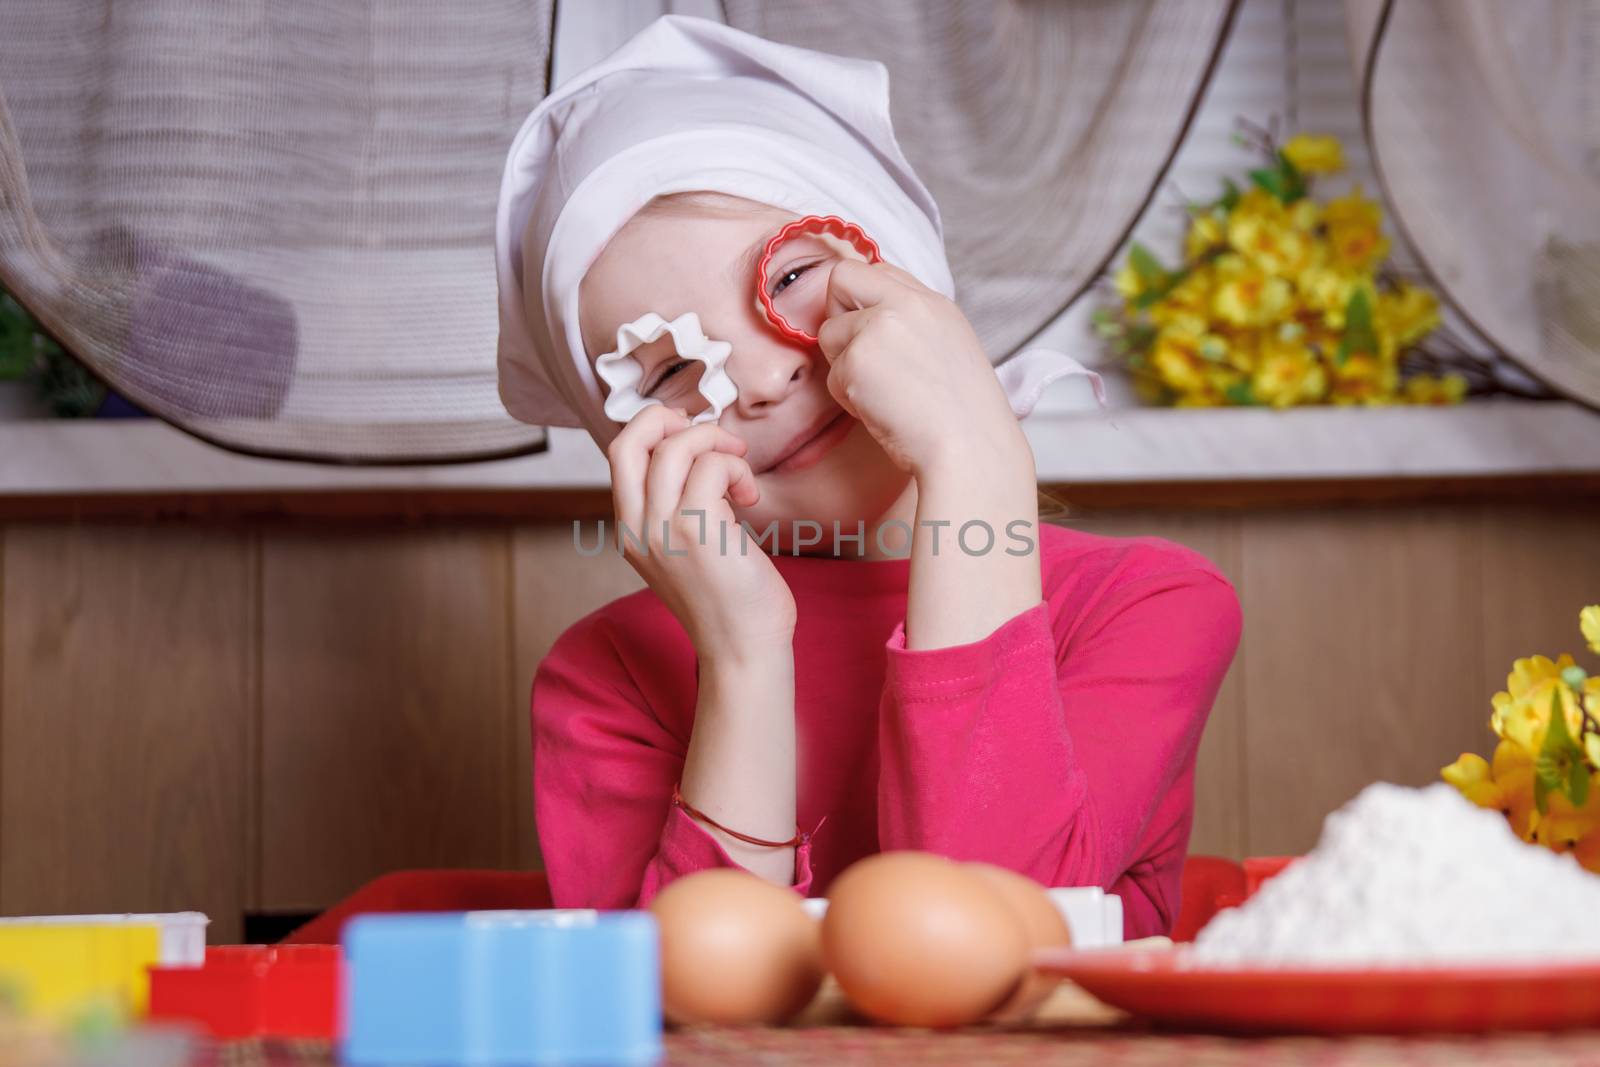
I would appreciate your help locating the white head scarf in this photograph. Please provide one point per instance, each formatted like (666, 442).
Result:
(687, 104)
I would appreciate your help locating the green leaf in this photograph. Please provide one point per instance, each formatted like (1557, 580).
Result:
(67, 387)
(1359, 335)
(1240, 393)
(1556, 739)
(1561, 760)
(1142, 336)
(1169, 283)
(1146, 265)
(1270, 180)
(16, 339)
(1577, 783)
(1230, 195)
(1294, 183)
(15, 360)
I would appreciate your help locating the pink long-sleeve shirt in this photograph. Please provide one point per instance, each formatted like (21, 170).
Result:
(1062, 745)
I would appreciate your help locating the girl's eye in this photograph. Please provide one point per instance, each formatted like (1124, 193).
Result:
(791, 276)
(674, 369)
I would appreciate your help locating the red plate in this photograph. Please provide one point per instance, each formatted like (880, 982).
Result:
(1161, 987)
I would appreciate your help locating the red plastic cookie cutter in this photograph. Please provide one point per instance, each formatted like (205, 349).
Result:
(826, 225)
(242, 991)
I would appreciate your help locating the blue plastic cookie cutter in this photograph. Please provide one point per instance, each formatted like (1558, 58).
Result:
(502, 989)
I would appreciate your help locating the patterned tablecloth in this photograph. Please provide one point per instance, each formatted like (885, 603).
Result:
(1109, 1047)
(1072, 1028)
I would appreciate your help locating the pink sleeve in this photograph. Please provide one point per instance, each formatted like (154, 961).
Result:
(603, 771)
(1073, 766)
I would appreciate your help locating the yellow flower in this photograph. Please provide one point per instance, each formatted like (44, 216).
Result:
(1513, 772)
(1425, 389)
(1248, 296)
(1589, 623)
(1203, 398)
(1506, 785)
(1221, 378)
(1355, 234)
(1189, 299)
(1261, 230)
(1314, 154)
(1522, 710)
(1191, 362)
(1364, 379)
(1563, 824)
(1470, 775)
(1287, 373)
(1587, 850)
(1176, 358)
(1328, 289)
(1129, 285)
(1205, 233)
(1410, 313)
(1305, 214)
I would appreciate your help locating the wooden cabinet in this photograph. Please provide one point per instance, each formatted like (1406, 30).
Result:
(243, 716)
(127, 719)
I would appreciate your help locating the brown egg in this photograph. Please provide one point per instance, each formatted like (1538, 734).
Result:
(1046, 927)
(735, 948)
(919, 940)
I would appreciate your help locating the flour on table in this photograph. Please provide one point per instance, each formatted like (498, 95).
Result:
(1413, 876)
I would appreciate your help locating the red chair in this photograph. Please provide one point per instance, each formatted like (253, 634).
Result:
(1210, 883)
(424, 890)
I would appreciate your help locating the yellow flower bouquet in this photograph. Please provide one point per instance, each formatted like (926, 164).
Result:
(1545, 772)
(1280, 300)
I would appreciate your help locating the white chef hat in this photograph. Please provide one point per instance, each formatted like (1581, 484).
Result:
(692, 104)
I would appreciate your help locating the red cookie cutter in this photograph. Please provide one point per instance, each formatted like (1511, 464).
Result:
(253, 991)
(828, 225)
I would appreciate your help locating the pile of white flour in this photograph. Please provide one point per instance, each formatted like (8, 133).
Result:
(1407, 876)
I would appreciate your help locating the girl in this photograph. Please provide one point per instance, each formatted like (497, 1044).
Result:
(922, 664)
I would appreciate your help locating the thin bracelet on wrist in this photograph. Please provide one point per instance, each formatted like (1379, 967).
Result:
(800, 837)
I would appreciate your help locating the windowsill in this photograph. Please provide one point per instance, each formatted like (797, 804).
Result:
(1495, 438)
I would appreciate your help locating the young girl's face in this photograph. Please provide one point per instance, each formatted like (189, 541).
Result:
(706, 263)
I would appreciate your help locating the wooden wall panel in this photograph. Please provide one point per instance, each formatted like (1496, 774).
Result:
(385, 740)
(554, 587)
(1541, 567)
(220, 718)
(1220, 814)
(1362, 628)
(126, 700)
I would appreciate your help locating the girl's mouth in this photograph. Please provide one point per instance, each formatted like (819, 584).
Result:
(817, 447)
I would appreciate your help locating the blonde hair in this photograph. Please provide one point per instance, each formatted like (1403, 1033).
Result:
(702, 202)
(1052, 508)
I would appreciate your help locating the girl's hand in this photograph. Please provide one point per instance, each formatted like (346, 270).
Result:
(731, 600)
(906, 362)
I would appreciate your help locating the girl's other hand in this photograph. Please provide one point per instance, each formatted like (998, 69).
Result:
(907, 363)
(727, 594)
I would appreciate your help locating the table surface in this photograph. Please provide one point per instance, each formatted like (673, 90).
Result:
(1071, 1028)
(1100, 1047)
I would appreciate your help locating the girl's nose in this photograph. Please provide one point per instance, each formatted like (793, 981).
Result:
(766, 373)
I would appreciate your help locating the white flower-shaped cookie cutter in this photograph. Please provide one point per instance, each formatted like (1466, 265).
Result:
(622, 373)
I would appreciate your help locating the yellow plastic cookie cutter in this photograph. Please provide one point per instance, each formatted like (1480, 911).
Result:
(622, 373)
